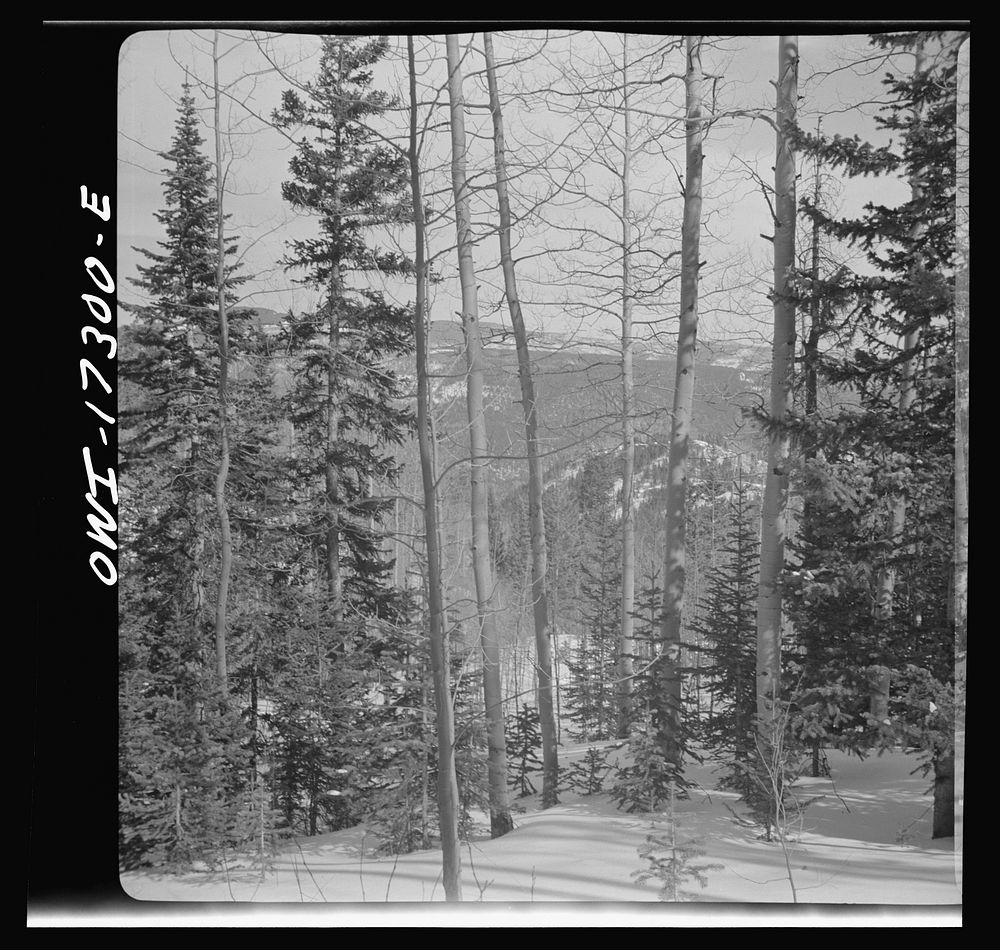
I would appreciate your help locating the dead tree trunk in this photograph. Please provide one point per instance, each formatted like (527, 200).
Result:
(500, 819)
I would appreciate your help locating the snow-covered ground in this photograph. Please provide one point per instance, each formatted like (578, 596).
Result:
(864, 839)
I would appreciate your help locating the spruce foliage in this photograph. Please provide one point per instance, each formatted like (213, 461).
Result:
(728, 625)
(183, 762)
(591, 695)
(882, 450)
(345, 404)
(345, 407)
(587, 776)
(524, 739)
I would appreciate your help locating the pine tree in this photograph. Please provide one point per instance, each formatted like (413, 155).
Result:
(728, 625)
(401, 804)
(183, 763)
(646, 646)
(670, 859)
(524, 739)
(646, 777)
(588, 774)
(899, 437)
(346, 404)
(470, 747)
(593, 663)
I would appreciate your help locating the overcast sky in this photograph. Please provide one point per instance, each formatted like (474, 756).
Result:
(151, 72)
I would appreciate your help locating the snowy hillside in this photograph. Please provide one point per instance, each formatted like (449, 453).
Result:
(864, 838)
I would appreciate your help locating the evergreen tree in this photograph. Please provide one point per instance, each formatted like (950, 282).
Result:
(645, 777)
(401, 804)
(728, 626)
(886, 462)
(829, 597)
(346, 405)
(183, 762)
(524, 739)
(470, 747)
(594, 661)
(646, 645)
(587, 775)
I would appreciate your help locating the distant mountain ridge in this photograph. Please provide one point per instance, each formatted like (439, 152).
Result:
(578, 385)
(448, 335)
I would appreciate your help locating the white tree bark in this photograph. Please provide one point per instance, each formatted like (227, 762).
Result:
(626, 637)
(444, 721)
(675, 562)
(774, 513)
(536, 514)
(500, 819)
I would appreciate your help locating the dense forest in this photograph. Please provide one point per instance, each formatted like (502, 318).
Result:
(486, 492)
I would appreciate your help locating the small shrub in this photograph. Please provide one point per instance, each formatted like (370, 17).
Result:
(587, 776)
(671, 862)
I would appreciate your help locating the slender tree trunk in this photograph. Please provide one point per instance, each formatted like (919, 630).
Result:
(225, 536)
(627, 621)
(946, 775)
(500, 819)
(190, 598)
(331, 470)
(944, 795)
(425, 770)
(774, 514)
(196, 549)
(810, 354)
(558, 687)
(961, 571)
(811, 343)
(536, 514)
(448, 807)
(675, 563)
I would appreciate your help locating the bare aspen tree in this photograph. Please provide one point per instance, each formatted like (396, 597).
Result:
(444, 714)
(625, 637)
(618, 270)
(536, 514)
(774, 512)
(500, 819)
(225, 535)
(675, 563)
